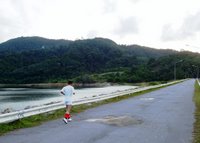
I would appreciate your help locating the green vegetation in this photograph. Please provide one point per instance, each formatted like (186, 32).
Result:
(38, 119)
(30, 121)
(196, 132)
(40, 60)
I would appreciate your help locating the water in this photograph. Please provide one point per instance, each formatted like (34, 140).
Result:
(21, 98)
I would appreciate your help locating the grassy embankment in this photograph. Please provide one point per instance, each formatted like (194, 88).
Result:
(196, 132)
(39, 119)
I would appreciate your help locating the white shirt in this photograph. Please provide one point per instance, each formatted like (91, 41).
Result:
(68, 92)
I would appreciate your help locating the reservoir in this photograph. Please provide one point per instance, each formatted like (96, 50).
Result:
(23, 98)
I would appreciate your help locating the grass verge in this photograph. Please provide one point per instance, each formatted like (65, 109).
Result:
(196, 130)
(41, 118)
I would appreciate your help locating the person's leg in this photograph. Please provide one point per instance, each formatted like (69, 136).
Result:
(68, 109)
(66, 115)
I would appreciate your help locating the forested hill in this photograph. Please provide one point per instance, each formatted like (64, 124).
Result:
(39, 43)
(36, 59)
(30, 43)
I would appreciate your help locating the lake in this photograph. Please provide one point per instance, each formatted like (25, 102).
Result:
(21, 98)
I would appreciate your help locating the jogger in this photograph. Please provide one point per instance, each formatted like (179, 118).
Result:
(68, 92)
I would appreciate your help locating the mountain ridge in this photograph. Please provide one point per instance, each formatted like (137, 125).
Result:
(29, 60)
(13, 43)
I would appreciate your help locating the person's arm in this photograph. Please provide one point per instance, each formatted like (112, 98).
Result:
(62, 91)
(73, 91)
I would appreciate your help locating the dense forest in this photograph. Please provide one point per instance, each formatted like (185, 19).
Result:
(39, 60)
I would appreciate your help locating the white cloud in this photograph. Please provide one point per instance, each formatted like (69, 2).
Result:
(109, 6)
(154, 23)
(92, 34)
(127, 26)
(189, 28)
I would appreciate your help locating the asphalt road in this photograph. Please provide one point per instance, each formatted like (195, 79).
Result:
(162, 116)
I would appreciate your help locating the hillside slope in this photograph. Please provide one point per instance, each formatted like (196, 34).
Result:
(36, 59)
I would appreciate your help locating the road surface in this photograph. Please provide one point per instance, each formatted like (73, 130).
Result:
(162, 116)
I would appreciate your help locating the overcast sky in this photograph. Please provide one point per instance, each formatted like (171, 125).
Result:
(173, 24)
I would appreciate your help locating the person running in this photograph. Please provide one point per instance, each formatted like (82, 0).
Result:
(68, 92)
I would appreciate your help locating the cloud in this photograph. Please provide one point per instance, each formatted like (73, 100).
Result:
(7, 28)
(16, 17)
(127, 26)
(109, 6)
(92, 34)
(135, 1)
(189, 28)
(10, 21)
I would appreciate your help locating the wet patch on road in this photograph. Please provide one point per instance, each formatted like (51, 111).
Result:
(117, 120)
(147, 99)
